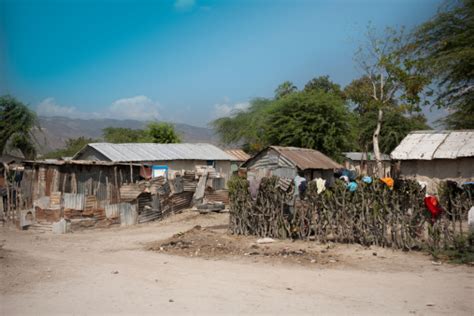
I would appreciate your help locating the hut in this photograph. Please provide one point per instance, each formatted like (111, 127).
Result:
(432, 156)
(163, 159)
(364, 163)
(285, 162)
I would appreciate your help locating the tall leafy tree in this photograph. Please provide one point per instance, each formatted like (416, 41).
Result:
(163, 133)
(315, 120)
(16, 124)
(284, 89)
(246, 127)
(391, 73)
(323, 83)
(445, 47)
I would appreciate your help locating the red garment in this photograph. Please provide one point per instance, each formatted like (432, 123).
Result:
(432, 204)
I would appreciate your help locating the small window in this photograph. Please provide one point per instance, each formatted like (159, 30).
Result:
(211, 163)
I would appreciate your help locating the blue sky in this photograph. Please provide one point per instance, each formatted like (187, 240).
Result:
(185, 61)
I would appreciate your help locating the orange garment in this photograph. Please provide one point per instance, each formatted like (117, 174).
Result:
(388, 181)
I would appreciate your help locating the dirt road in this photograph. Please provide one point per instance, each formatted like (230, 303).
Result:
(111, 272)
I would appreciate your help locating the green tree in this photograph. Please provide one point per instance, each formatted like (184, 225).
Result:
(246, 127)
(323, 83)
(445, 47)
(16, 124)
(315, 120)
(394, 80)
(123, 135)
(163, 133)
(285, 89)
(72, 146)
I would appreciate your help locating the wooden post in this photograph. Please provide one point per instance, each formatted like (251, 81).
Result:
(116, 184)
(131, 173)
(107, 189)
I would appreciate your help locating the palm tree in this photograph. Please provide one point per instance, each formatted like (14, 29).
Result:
(284, 89)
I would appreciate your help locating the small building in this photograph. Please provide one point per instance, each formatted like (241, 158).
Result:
(432, 156)
(285, 162)
(96, 193)
(168, 158)
(364, 163)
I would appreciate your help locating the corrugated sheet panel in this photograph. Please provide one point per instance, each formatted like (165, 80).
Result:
(305, 158)
(239, 154)
(128, 214)
(112, 210)
(428, 145)
(73, 201)
(154, 152)
(457, 144)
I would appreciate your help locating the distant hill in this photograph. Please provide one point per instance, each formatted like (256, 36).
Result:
(56, 130)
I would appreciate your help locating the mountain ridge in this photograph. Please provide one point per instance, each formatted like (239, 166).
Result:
(55, 130)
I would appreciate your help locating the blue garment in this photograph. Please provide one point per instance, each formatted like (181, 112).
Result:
(367, 179)
(352, 186)
(349, 173)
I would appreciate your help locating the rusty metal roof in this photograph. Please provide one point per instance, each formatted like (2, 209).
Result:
(429, 145)
(238, 153)
(305, 158)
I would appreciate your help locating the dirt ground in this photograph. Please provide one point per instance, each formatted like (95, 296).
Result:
(174, 267)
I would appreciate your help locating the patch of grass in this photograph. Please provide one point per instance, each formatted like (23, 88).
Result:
(461, 252)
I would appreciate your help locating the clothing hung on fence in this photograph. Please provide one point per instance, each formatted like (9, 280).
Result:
(352, 186)
(320, 185)
(432, 204)
(299, 186)
(367, 179)
(388, 181)
(423, 184)
(344, 178)
(254, 185)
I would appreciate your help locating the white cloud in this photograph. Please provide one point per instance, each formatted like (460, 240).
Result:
(135, 108)
(184, 5)
(49, 107)
(226, 109)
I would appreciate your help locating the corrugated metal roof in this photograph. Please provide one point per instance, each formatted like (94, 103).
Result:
(239, 154)
(6, 158)
(305, 158)
(428, 145)
(358, 156)
(131, 152)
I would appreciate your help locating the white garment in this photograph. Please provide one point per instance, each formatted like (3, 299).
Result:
(344, 178)
(423, 184)
(298, 180)
(320, 185)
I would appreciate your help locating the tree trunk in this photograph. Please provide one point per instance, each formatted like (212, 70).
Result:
(375, 139)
